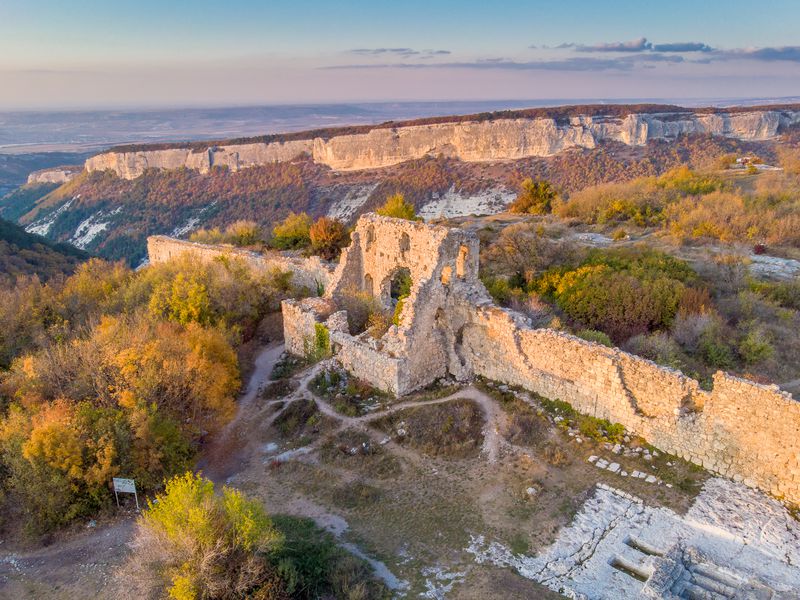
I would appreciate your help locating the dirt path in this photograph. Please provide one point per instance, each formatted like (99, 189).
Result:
(491, 412)
(82, 566)
(225, 454)
(78, 567)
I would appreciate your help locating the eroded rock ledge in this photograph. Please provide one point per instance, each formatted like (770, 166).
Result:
(471, 141)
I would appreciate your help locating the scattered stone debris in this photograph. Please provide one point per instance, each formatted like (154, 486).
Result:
(734, 541)
(439, 582)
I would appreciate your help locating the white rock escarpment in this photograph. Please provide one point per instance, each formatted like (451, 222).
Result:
(471, 141)
(54, 175)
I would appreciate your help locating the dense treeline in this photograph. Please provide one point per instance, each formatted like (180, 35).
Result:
(24, 254)
(112, 372)
(22, 200)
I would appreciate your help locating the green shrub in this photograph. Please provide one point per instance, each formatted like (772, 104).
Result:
(203, 544)
(239, 233)
(592, 335)
(292, 233)
(321, 347)
(397, 207)
(756, 346)
(398, 311)
(621, 293)
(314, 566)
(715, 351)
(535, 198)
(498, 289)
(688, 182)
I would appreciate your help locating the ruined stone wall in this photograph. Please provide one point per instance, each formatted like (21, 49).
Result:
(740, 429)
(436, 257)
(306, 272)
(500, 139)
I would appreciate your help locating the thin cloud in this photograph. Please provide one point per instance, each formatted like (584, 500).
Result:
(638, 45)
(682, 47)
(398, 52)
(767, 54)
(578, 64)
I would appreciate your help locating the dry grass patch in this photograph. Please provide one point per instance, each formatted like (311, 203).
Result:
(346, 394)
(351, 449)
(300, 422)
(448, 430)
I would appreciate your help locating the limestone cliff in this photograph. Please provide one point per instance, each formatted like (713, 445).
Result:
(54, 175)
(472, 141)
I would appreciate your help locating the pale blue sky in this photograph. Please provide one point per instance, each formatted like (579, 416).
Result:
(175, 52)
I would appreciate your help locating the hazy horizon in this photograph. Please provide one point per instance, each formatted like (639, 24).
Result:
(94, 129)
(150, 54)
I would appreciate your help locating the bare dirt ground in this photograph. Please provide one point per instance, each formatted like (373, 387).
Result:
(406, 506)
(412, 511)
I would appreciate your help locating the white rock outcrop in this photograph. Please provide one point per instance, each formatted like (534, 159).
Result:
(54, 175)
(472, 141)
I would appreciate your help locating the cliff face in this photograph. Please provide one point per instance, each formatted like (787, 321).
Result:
(501, 139)
(54, 175)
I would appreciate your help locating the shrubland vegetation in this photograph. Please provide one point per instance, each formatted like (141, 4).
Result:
(238, 233)
(24, 254)
(158, 202)
(18, 202)
(111, 372)
(690, 205)
(324, 237)
(535, 198)
(650, 303)
(397, 207)
(193, 543)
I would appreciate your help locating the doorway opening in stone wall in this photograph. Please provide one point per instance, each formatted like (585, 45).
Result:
(399, 289)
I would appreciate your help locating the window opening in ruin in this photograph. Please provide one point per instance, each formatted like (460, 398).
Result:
(368, 284)
(405, 244)
(461, 263)
(370, 236)
(399, 290)
(400, 286)
(447, 273)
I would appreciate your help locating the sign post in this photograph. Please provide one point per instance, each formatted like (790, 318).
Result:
(125, 486)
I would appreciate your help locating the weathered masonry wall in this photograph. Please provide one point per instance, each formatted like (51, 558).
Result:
(307, 272)
(414, 352)
(500, 139)
(740, 429)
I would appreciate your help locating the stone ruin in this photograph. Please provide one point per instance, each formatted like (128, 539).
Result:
(424, 346)
(449, 326)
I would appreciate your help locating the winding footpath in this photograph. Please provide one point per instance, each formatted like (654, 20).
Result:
(93, 554)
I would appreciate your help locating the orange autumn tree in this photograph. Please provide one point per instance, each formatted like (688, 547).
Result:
(328, 237)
